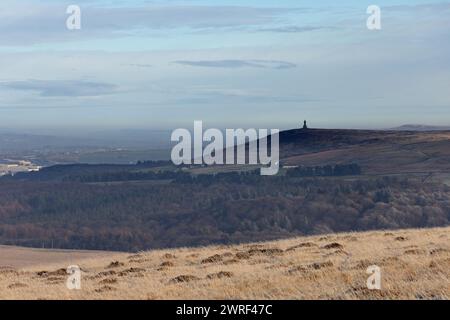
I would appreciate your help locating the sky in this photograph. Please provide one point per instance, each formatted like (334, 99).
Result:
(252, 63)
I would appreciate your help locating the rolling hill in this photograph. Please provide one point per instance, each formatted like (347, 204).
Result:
(378, 152)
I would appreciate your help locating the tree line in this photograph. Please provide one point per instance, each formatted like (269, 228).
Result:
(230, 209)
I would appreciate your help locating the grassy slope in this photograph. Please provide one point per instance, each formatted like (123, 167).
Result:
(376, 151)
(415, 265)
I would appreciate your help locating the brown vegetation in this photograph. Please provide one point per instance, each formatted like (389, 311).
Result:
(417, 267)
(226, 210)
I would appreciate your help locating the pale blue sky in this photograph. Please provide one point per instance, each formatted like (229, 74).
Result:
(266, 63)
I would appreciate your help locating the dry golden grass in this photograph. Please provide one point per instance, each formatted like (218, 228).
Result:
(415, 264)
(19, 257)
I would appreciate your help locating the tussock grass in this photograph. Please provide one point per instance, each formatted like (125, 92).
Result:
(415, 264)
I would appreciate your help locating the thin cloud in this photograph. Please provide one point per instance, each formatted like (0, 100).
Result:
(45, 23)
(210, 95)
(235, 64)
(428, 7)
(293, 29)
(62, 88)
(139, 65)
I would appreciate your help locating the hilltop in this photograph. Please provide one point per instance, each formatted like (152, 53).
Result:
(377, 151)
(415, 264)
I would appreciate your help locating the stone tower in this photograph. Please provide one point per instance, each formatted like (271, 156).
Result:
(304, 125)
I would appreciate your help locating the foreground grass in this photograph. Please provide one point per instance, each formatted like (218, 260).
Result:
(415, 264)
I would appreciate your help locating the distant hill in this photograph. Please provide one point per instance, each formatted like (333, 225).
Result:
(420, 127)
(12, 141)
(376, 151)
